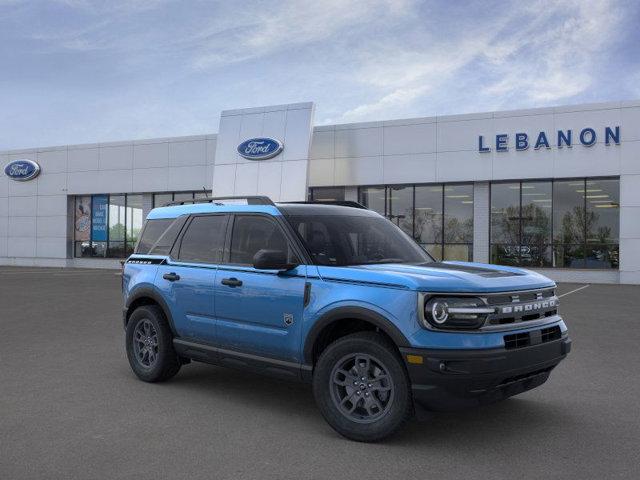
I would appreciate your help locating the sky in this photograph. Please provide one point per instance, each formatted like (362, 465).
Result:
(80, 71)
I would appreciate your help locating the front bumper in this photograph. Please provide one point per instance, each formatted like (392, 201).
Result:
(454, 379)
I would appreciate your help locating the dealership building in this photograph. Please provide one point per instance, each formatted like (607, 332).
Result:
(552, 189)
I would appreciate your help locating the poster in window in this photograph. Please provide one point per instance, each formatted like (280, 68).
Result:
(99, 218)
(83, 219)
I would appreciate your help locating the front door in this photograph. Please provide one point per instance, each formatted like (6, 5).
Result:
(259, 311)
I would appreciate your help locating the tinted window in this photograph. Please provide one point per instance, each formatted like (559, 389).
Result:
(327, 194)
(203, 241)
(252, 233)
(151, 233)
(163, 245)
(355, 240)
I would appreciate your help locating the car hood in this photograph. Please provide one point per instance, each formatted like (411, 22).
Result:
(440, 276)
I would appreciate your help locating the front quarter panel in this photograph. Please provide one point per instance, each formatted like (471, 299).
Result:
(396, 304)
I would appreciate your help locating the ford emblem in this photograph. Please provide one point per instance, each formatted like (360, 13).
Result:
(22, 170)
(260, 148)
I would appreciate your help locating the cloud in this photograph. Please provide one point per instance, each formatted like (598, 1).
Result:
(552, 61)
(84, 71)
(538, 53)
(285, 26)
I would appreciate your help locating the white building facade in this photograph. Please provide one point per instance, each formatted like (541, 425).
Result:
(553, 189)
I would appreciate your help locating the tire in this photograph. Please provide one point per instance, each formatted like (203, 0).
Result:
(152, 357)
(384, 403)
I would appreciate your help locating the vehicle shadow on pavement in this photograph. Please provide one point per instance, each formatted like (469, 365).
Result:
(280, 399)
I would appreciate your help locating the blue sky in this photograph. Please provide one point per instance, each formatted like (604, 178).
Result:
(76, 71)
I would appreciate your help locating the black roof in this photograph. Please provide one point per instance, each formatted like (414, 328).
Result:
(294, 208)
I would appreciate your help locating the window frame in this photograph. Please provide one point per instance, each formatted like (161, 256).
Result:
(292, 241)
(174, 252)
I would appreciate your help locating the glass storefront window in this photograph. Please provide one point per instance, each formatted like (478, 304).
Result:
(458, 222)
(107, 225)
(134, 221)
(327, 194)
(564, 223)
(117, 219)
(400, 208)
(536, 200)
(568, 212)
(373, 198)
(181, 196)
(161, 199)
(439, 217)
(428, 218)
(505, 213)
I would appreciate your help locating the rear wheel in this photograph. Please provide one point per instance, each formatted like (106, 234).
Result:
(150, 345)
(362, 388)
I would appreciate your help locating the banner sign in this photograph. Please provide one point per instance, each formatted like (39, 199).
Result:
(83, 219)
(99, 218)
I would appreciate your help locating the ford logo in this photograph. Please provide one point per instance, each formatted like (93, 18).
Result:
(22, 170)
(260, 148)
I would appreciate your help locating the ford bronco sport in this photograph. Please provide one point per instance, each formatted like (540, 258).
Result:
(335, 295)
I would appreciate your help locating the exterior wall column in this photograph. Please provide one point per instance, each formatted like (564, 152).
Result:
(629, 229)
(481, 216)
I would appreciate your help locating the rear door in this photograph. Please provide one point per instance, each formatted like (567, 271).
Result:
(187, 279)
(259, 311)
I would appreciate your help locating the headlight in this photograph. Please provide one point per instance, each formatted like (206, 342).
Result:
(456, 312)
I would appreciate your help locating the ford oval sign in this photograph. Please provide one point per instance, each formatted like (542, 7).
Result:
(22, 170)
(260, 148)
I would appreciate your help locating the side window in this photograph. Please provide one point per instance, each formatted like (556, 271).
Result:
(163, 245)
(252, 233)
(153, 229)
(319, 241)
(203, 241)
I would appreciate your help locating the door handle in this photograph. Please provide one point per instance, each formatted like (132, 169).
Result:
(231, 282)
(172, 277)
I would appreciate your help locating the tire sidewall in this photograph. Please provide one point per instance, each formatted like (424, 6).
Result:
(376, 346)
(165, 347)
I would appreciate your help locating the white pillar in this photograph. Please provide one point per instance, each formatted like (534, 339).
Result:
(481, 217)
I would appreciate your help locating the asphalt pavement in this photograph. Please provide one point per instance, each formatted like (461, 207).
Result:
(70, 407)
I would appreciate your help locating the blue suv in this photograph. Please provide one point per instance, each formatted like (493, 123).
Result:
(338, 296)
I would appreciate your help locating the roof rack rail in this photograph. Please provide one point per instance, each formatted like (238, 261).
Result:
(341, 203)
(251, 200)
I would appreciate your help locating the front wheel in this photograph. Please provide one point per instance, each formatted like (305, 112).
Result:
(362, 387)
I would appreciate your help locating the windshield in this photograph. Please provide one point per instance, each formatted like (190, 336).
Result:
(341, 240)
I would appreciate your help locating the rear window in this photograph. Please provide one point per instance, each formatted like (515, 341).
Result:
(151, 233)
(203, 241)
(159, 235)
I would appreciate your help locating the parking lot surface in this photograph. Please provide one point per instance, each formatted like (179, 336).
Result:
(71, 408)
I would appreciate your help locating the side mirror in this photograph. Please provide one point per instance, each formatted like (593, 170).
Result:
(272, 260)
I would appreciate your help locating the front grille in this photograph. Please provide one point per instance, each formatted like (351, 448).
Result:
(551, 333)
(519, 307)
(517, 340)
(520, 340)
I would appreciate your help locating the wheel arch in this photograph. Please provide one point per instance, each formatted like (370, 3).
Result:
(330, 320)
(148, 296)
